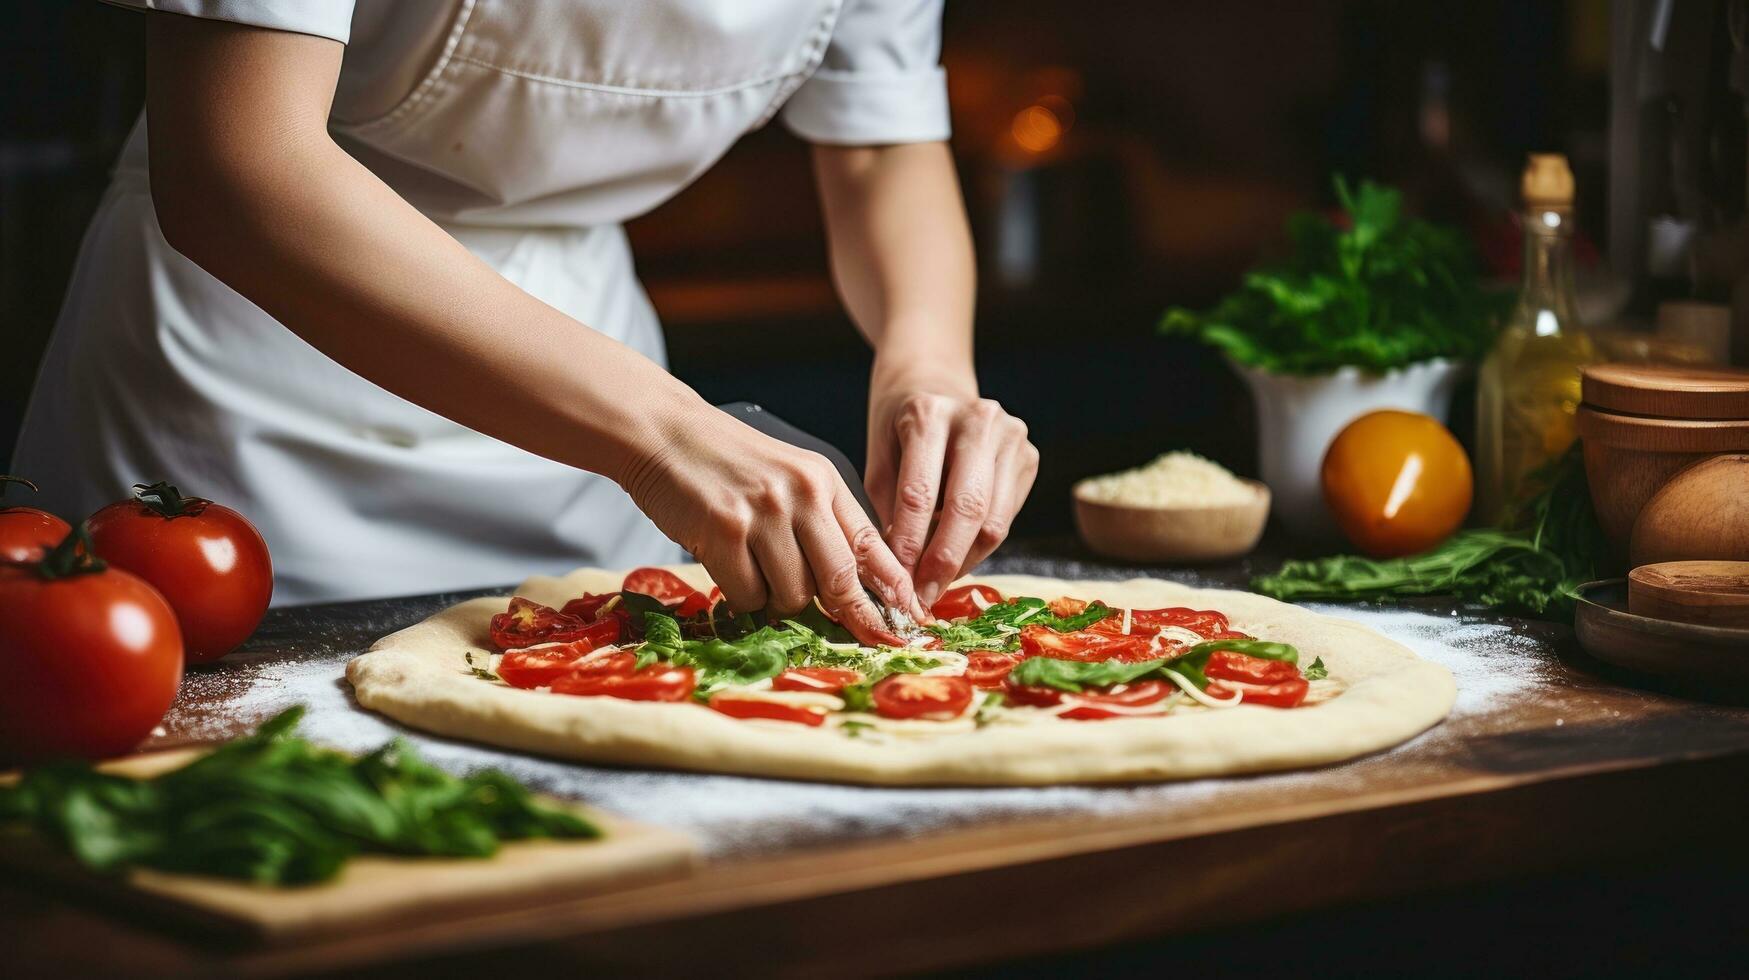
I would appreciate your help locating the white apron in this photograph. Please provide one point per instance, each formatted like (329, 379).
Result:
(528, 129)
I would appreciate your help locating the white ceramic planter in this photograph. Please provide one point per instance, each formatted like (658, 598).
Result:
(1298, 417)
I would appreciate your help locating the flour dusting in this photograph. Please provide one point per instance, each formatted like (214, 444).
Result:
(1491, 663)
(738, 815)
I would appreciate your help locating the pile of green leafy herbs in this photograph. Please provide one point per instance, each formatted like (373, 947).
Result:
(1377, 291)
(1534, 564)
(273, 809)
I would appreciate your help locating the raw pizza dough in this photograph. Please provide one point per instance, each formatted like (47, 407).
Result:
(419, 677)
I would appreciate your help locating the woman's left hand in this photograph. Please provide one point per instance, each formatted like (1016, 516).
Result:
(935, 446)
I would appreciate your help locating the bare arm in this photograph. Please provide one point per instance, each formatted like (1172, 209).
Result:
(247, 183)
(902, 260)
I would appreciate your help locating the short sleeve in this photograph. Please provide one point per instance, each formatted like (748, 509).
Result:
(880, 80)
(323, 18)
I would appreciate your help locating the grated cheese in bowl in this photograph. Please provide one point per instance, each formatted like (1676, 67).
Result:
(1176, 479)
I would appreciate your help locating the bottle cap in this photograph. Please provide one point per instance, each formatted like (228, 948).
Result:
(1548, 182)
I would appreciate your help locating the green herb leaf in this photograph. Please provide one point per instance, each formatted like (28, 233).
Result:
(1267, 649)
(858, 696)
(661, 633)
(988, 707)
(1317, 671)
(1075, 676)
(822, 625)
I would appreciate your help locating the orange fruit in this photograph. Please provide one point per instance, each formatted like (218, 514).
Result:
(1397, 483)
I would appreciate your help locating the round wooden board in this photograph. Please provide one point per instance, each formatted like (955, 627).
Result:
(1613, 635)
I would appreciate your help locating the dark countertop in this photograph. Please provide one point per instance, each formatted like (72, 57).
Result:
(1547, 762)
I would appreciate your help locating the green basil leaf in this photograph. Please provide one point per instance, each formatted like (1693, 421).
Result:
(661, 633)
(1266, 649)
(858, 696)
(1075, 676)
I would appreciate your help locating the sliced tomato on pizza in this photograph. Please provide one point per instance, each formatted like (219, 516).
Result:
(741, 706)
(1287, 694)
(1231, 665)
(989, 668)
(541, 666)
(527, 623)
(964, 602)
(1089, 645)
(657, 682)
(670, 590)
(922, 696)
(1206, 623)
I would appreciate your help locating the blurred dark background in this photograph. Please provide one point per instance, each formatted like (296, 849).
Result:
(1113, 165)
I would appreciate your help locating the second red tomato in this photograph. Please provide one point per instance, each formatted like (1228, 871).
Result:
(208, 561)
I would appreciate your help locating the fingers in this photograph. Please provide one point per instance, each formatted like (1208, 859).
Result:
(1016, 469)
(881, 474)
(922, 426)
(836, 574)
(789, 584)
(967, 492)
(876, 565)
(735, 571)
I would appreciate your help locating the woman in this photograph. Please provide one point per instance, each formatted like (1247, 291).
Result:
(360, 274)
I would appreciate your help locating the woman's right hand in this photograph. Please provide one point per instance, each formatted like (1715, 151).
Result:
(773, 524)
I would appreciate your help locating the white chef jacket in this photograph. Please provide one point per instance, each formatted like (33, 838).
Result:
(528, 129)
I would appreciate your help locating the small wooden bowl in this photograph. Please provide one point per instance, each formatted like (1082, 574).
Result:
(1705, 593)
(1173, 534)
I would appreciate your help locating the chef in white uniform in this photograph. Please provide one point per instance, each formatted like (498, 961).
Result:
(364, 280)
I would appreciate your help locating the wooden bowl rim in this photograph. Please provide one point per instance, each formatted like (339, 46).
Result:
(1650, 624)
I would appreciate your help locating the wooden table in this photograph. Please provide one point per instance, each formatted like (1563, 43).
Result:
(1573, 770)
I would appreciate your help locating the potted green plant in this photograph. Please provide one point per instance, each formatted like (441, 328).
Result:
(1369, 309)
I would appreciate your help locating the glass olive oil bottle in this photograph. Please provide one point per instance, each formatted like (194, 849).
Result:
(1529, 387)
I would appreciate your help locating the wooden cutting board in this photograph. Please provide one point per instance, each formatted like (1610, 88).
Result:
(371, 891)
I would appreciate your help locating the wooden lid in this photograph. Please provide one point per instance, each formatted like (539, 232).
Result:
(1667, 391)
(1715, 593)
(1624, 431)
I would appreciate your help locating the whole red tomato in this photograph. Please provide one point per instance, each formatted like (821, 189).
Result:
(92, 657)
(208, 561)
(26, 532)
